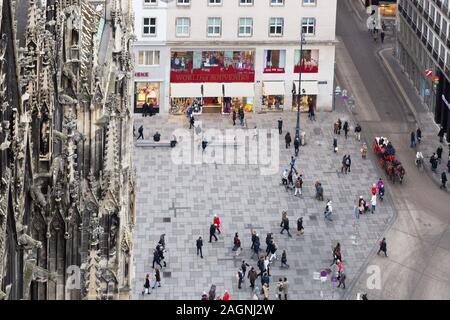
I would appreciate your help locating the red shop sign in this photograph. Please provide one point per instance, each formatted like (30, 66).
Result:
(213, 75)
(141, 74)
(273, 70)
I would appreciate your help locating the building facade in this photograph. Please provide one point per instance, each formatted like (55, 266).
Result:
(67, 180)
(222, 54)
(424, 44)
(150, 54)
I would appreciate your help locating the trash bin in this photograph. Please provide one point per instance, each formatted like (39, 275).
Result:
(302, 138)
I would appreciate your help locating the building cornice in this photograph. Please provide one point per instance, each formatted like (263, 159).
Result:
(185, 43)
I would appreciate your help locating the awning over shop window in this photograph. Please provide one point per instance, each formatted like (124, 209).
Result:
(239, 89)
(274, 88)
(309, 87)
(212, 90)
(185, 90)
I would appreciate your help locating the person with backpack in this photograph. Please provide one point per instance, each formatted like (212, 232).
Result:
(298, 185)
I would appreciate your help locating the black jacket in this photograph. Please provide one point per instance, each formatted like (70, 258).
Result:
(199, 243)
(212, 229)
(280, 124)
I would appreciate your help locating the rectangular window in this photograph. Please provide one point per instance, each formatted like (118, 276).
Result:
(214, 27)
(274, 61)
(245, 27)
(276, 27)
(149, 28)
(309, 2)
(309, 26)
(183, 2)
(150, 2)
(245, 2)
(148, 58)
(215, 2)
(183, 26)
(276, 2)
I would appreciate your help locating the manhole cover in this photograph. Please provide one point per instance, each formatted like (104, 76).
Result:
(167, 219)
(312, 218)
(167, 274)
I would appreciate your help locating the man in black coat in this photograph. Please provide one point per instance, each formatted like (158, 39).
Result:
(199, 246)
(296, 145)
(280, 126)
(444, 180)
(212, 232)
(141, 133)
(441, 134)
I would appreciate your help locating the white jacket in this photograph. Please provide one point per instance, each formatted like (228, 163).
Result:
(373, 201)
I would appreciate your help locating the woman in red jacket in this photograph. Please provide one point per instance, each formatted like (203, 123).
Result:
(216, 221)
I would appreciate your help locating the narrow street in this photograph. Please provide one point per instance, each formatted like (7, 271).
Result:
(419, 240)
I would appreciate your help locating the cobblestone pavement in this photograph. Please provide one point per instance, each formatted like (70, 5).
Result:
(245, 199)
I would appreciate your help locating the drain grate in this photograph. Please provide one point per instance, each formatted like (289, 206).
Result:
(167, 274)
(167, 219)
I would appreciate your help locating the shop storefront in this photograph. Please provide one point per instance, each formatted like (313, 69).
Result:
(273, 96)
(149, 92)
(184, 95)
(237, 95)
(310, 90)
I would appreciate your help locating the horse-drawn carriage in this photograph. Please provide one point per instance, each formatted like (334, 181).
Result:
(386, 152)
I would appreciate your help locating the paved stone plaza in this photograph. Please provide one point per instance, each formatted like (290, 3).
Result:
(245, 199)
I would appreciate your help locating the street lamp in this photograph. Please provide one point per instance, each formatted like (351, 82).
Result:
(297, 129)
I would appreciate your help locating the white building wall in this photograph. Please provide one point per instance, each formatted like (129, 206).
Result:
(156, 73)
(261, 11)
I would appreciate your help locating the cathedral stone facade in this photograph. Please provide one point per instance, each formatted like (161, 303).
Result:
(67, 183)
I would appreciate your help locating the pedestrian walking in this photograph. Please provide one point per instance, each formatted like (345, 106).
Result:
(237, 244)
(344, 164)
(226, 296)
(157, 278)
(296, 145)
(382, 36)
(383, 247)
(336, 253)
(265, 279)
(292, 164)
(280, 126)
(234, 117)
(261, 267)
(346, 129)
(267, 264)
(328, 211)
(413, 140)
(269, 241)
(341, 279)
(141, 132)
(311, 114)
(285, 225)
(441, 134)
(335, 147)
(358, 132)
(241, 115)
(272, 251)
(280, 288)
(156, 259)
(199, 244)
(240, 277)
(244, 266)
(284, 260)
(285, 288)
(252, 275)
(256, 247)
(300, 229)
(216, 221)
(191, 122)
(288, 140)
(348, 163)
(373, 201)
(439, 153)
(253, 238)
(444, 180)
(204, 144)
(375, 35)
(448, 164)
(145, 107)
(160, 251)
(299, 185)
(134, 131)
(434, 162)
(419, 135)
(212, 232)
(146, 285)
(265, 289)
